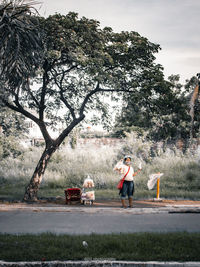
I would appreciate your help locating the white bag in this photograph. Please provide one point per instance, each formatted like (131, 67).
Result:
(153, 179)
(88, 183)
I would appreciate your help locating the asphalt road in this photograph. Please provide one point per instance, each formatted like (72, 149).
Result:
(19, 222)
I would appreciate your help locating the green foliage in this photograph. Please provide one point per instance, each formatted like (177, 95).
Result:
(12, 124)
(21, 42)
(12, 127)
(9, 147)
(83, 60)
(160, 108)
(79, 62)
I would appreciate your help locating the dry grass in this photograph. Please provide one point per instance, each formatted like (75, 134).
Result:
(69, 167)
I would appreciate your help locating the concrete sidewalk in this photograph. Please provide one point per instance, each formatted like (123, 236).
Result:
(139, 207)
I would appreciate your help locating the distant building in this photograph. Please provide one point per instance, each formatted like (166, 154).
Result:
(86, 137)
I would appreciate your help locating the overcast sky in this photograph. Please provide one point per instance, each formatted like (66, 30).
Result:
(174, 24)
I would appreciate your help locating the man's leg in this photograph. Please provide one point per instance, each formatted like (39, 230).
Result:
(123, 194)
(130, 201)
(130, 194)
(123, 203)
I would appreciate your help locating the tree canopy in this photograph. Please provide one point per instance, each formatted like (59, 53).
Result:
(80, 61)
(160, 108)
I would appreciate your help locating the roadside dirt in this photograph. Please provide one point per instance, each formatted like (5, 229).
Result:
(149, 203)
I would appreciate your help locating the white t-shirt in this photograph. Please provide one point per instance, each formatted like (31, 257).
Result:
(123, 169)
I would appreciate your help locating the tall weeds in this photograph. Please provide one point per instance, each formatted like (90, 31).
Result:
(69, 167)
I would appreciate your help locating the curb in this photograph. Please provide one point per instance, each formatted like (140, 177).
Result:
(99, 263)
(153, 210)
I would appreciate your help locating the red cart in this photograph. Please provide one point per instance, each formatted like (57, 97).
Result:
(72, 194)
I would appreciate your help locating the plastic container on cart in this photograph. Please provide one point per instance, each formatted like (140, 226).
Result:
(88, 196)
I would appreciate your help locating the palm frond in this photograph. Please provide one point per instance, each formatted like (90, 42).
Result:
(21, 41)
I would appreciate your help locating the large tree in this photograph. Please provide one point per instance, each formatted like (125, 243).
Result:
(66, 63)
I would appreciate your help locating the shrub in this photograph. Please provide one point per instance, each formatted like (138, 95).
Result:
(9, 147)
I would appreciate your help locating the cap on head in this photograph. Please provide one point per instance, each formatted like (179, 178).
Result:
(127, 157)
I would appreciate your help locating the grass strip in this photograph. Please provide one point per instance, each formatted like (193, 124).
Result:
(16, 193)
(138, 246)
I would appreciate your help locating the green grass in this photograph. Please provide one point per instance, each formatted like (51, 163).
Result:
(15, 193)
(138, 247)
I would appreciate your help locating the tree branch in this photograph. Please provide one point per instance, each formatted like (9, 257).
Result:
(116, 90)
(98, 89)
(64, 72)
(62, 96)
(45, 81)
(20, 109)
(31, 94)
(85, 101)
(65, 132)
(67, 104)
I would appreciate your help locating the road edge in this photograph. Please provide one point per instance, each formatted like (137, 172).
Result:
(99, 263)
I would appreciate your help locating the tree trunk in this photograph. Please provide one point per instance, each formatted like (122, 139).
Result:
(32, 188)
(51, 147)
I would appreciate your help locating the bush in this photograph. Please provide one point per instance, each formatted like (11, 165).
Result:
(9, 147)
